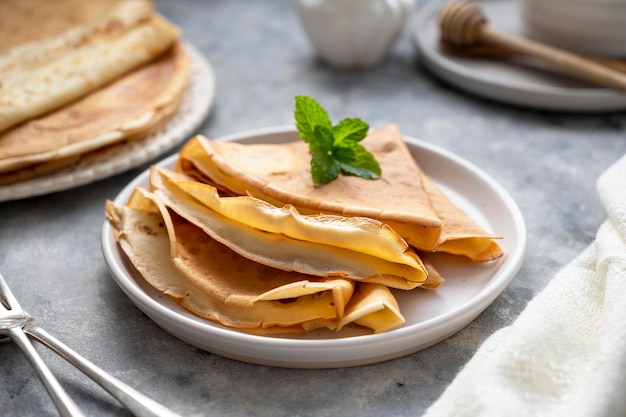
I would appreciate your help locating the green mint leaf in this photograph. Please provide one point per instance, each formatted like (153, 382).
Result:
(350, 130)
(334, 149)
(324, 168)
(324, 139)
(344, 155)
(309, 114)
(364, 165)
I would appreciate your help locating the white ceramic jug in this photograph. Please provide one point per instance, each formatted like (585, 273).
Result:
(353, 33)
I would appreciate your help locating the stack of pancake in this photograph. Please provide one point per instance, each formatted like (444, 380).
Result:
(239, 234)
(78, 77)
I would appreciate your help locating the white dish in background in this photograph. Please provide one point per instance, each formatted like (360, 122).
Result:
(593, 27)
(504, 81)
(431, 316)
(194, 107)
(353, 34)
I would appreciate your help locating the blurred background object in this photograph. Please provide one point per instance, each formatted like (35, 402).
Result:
(352, 34)
(595, 27)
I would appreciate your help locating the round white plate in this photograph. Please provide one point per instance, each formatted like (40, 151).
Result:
(431, 316)
(194, 107)
(504, 81)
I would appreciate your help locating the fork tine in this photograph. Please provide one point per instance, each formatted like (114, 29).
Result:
(65, 405)
(4, 301)
(7, 299)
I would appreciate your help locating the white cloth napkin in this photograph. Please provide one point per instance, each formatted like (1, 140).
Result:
(565, 355)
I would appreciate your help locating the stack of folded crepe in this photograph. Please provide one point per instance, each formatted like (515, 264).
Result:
(79, 77)
(239, 234)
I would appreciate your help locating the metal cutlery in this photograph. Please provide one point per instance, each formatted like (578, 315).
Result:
(17, 325)
(12, 321)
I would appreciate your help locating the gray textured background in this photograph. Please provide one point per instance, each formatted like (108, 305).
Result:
(50, 245)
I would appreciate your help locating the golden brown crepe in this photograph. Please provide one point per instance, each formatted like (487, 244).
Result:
(460, 235)
(17, 18)
(44, 35)
(282, 173)
(360, 234)
(181, 261)
(404, 198)
(373, 306)
(133, 106)
(236, 259)
(80, 79)
(280, 251)
(43, 76)
(434, 279)
(143, 236)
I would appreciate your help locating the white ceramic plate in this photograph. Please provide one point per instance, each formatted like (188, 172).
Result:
(431, 316)
(194, 107)
(504, 81)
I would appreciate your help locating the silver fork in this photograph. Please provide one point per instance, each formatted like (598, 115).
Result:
(134, 401)
(12, 319)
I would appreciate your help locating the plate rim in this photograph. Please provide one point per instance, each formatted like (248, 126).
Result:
(465, 312)
(544, 97)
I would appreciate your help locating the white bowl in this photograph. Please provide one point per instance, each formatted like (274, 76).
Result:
(595, 27)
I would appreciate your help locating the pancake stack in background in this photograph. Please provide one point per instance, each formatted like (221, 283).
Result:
(78, 77)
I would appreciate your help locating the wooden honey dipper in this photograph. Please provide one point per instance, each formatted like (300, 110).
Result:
(463, 24)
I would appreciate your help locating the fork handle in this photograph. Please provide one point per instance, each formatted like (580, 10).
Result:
(135, 402)
(65, 405)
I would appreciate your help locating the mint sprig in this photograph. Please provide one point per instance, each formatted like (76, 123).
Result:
(334, 149)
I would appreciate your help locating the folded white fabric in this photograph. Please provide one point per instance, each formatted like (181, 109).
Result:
(565, 355)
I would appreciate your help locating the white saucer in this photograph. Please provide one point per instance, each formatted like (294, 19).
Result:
(501, 80)
(194, 107)
(431, 316)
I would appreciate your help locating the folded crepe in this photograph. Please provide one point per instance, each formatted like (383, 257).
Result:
(143, 236)
(460, 235)
(402, 198)
(129, 108)
(78, 79)
(279, 250)
(360, 234)
(184, 263)
(373, 306)
(44, 75)
(52, 18)
(281, 173)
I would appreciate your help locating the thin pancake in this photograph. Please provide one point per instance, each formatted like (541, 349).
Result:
(28, 91)
(18, 18)
(271, 172)
(460, 235)
(130, 107)
(373, 306)
(43, 38)
(281, 172)
(144, 232)
(280, 251)
(360, 234)
(205, 261)
(143, 237)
